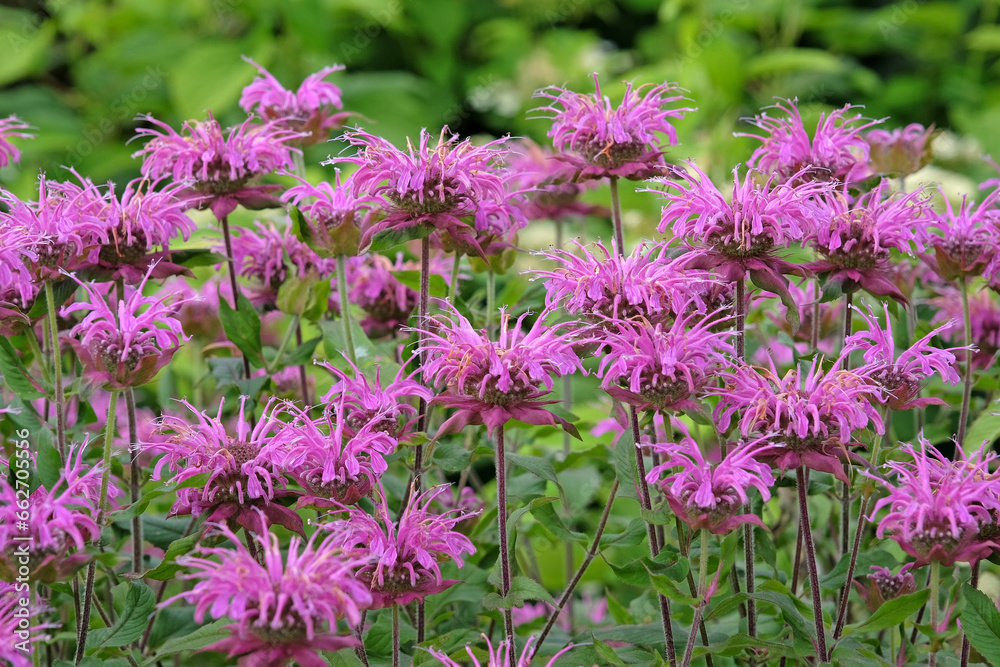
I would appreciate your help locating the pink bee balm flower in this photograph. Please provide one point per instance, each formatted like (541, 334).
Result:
(453, 187)
(125, 346)
(12, 127)
(902, 151)
(333, 214)
(859, 235)
(937, 506)
(812, 418)
(401, 560)
(900, 377)
(836, 152)
(614, 141)
(242, 475)
(492, 382)
(605, 287)
(335, 465)
(370, 404)
(663, 367)
(306, 111)
(969, 240)
(545, 179)
(20, 625)
(284, 609)
(883, 585)
(62, 522)
(984, 315)
(221, 166)
(499, 656)
(17, 287)
(709, 496)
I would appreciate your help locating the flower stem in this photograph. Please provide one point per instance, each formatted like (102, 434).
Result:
(345, 306)
(811, 562)
(616, 216)
(491, 301)
(693, 587)
(395, 635)
(933, 602)
(87, 603)
(974, 582)
(505, 578)
(845, 498)
(967, 380)
(741, 318)
(285, 340)
(702, 585)
(565, 597)
(453, 285)
(303, 378)
(60, 399)
(134, 480)
(234, 286)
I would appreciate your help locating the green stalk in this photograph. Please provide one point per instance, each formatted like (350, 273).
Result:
(491, 301)
(616, 216)
(345, 310)
(702, 586)
(395, 635)
(453, 285)
(933, 602)
(289, 333)
(36, 351)
(967, 380)
(60, 399)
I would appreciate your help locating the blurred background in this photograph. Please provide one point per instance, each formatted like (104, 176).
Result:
(81, 70)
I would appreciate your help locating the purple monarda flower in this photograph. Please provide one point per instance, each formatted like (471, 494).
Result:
(602, 140)
(546, 181)
(242, 475)
(709, 496)
(17, 287)
(606, 288)
(401, 559)
(857, 236)
(125, 346)
(498, 656)
(368, 404)
(663, 366)
(335, 464)
(61, 521)
(19, 624)
(902, 151)
(812, 418)
(452, 187)
(306, 111)
(492, 382)
(883, 585)
(221, 166)
(969, 239)
(837, 151)
(900, 376)
(334, 215)
(12, 127)
(284, 609)
(937, 506)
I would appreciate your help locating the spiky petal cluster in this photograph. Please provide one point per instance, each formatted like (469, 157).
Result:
(937, 506)
(857, 235)
(614, 141)
(125, 346)
(60, 522)
(242, 476)
(969, 240)
(605, 287)
(333, 213)
(438, 187)
(704, 495)
(370, 404)
(900, 376)
(17, 288)
(663, 366)
(812, 417)
(221, 165)
(19, 624)
(546, 180)
(883, 585)
(902, 151)
(836, 152)
(307, 110)
(401, 560)
(12, 127)
(335, 464)
(284, 609)
(498, 656)
(492, 382)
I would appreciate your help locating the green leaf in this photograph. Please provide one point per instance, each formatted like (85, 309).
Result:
(451, 456)
(196, 257)
(521, 589)
(793, 59)
(139, 506)
(891, 613)
(168, 567)
(334, 342)
(61, 290)
(625, 465)
(208, 75)
(536, 465)
(15, 375)
(981, 622)
(199, 639)
(606, 652)
(985, 429)
(242, 327)
(834, 579)
(739, 643)
(48, 465)
(665, 587)
(138, 604)
(388, 239)
(546, 515)
(438, 287)
(303, 354)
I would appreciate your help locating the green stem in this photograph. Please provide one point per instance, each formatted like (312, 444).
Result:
(967, 380)
(491, 301)
(60, 399)
(36, 351)
(395, 635)
(289, 334)
(616, 217)
(453, 285)
(703, 563)
(933, 599)
(345, 307)
(134, 480)
(702, 586)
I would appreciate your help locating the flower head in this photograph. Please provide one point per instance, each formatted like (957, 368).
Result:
(401, 560)
(546, 181)
(492, 382)
(12, 127)
(836, 152)
(124, 347)
(709, 496)
(614, 141)
(902, 151)
(811, 417)
(900, 377)
(307, 110)
(663, 366)
(221, 166)
(283, 609)
(334, 215)
(969, 241)
(17, 287)
(498, 656)
(883, 585)
(242, 474)
(937, 506)
(367, 403)
(453, 187)
(20, 625)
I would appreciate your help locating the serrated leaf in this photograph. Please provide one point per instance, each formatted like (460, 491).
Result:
(388, 239)
(981, 622)
(625, 465)
(606, 652)
(891, 613)
(536, 465)
(199, 639)
(48, 465)
(139, 602)
(242, 327)
(140, 505)
(168, 567)
(15, 375)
